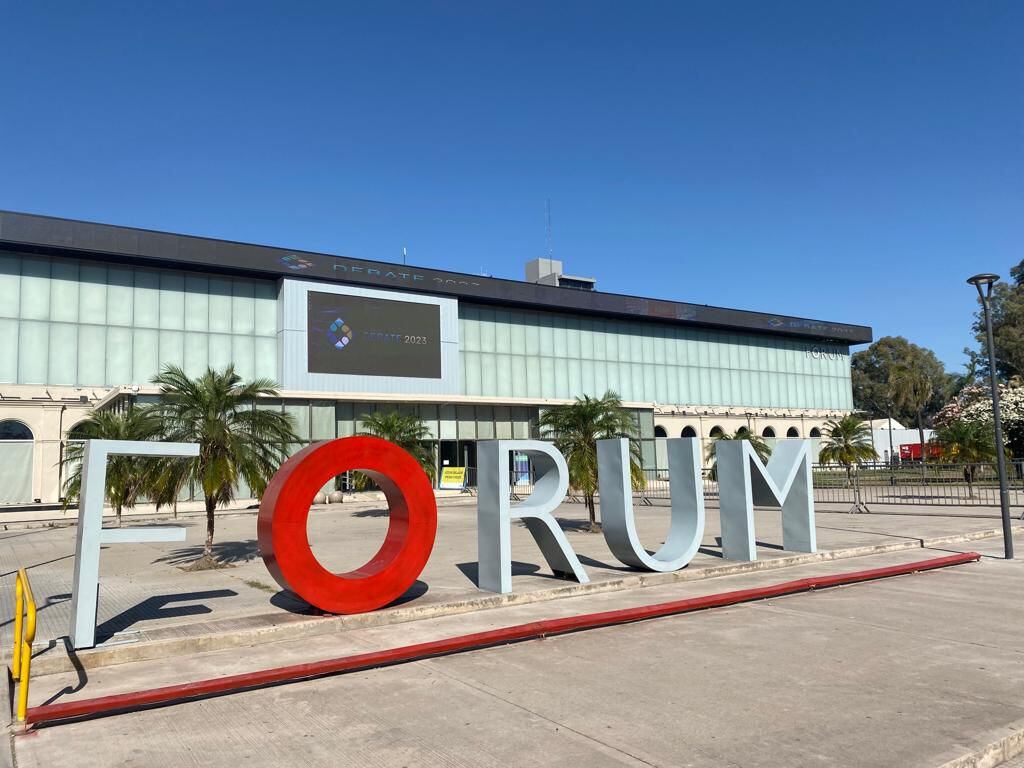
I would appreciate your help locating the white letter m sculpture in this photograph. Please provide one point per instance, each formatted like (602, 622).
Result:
(744, 480)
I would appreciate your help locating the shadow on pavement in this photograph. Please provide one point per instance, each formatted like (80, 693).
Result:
(83, 678)
(50, 600)
(288, 601)
(375, 512)
(568, 525)
(226, 552)
(472, 571)
(418, 589)
(156, 607)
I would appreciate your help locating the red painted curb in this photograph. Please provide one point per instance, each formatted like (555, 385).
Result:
(49, 713)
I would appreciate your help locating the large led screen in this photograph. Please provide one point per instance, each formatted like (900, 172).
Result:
(373, 337)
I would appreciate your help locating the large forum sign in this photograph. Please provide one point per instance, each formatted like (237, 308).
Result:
(743, 479)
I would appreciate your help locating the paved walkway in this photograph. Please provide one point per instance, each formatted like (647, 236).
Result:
(144, 590)
(912, 671)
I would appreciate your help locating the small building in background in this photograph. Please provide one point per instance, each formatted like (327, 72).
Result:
(897, 440)
(549, 272)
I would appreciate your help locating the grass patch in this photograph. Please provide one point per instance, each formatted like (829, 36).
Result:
(259, 585)
(206, 563)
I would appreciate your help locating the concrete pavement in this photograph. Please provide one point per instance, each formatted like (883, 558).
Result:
(913, 671)
(145, 596)
(917, 671)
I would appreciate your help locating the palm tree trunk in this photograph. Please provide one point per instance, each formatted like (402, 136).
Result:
(588, 497)
(117, 514)
(211, 505)
(920, 434)
(856, 488)
(924, 454)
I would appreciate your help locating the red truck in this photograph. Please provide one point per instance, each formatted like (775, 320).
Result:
(912, 451)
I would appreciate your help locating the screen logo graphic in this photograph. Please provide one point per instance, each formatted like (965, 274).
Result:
(296, 263)
(339, 334)
(396, 338)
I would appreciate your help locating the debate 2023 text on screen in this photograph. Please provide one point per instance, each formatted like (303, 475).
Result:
(373, 337)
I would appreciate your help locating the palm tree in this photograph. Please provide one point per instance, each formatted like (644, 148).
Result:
(128, 477)
(911, 388)
(969, 443)
(406, 431)
(236, 440)
(577, 427)
(958, 382)
(846, 442)
(761, 448)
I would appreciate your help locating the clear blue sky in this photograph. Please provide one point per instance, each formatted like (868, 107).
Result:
(850, 161)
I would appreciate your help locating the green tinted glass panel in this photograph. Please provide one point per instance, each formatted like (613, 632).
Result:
(514, 353)
(87, 323)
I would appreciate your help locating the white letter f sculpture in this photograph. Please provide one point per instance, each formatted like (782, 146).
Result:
(91, 533)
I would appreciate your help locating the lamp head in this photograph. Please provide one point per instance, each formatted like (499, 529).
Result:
(983, 283)
(983, 279)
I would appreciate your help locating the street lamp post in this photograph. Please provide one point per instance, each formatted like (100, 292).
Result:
(984, 285)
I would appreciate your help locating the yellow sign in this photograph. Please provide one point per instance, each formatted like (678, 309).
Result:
(452, 477)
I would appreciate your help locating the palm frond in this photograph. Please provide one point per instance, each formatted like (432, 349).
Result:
(847, 442)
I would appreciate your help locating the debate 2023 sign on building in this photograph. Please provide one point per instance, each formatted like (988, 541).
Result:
(744, 480)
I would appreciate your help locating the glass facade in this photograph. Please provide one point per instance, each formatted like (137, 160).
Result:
(325, 419)
(88, 323)
(518, 353)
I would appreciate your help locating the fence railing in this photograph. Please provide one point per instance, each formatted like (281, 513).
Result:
(24, 636)
(905, 483)
(920, 483)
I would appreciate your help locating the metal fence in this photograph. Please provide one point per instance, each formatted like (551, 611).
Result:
(917, 483)
(905, 483)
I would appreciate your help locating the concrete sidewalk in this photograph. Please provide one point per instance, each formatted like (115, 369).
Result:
(918, 670)
(129, 675)
(148, 602)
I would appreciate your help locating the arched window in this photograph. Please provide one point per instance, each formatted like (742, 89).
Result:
(767, 432)
(77, 433)
(815, 432)
(659, 431)
(688, 432)
(716, 431)
(17, 446)
(14, 430)
(792, 432)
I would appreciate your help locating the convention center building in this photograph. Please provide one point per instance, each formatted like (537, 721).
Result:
(89, 313)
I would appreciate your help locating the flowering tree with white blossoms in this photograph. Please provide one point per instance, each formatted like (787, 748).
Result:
(974, 405)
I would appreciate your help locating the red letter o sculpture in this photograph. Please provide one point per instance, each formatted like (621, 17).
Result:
(284, 511)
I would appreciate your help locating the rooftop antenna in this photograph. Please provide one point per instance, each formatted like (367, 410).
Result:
(548, 211)
(404, 254)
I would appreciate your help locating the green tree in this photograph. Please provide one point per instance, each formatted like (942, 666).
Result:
(969, 443)
(128, 477)
(911, 389)
(236, 439)
(958, 382)
(872, 370)
(406, 431)
(846, 442)
(577, 427)
(761, 448)
(1007, 327)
